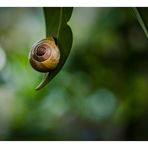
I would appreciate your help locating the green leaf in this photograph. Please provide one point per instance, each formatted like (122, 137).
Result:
(56, 25)
(142, 17)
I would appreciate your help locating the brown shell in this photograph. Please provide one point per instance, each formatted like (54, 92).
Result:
(44, 55)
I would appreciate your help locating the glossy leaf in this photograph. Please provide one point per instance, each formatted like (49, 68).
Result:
(56, 25)
(142, 17)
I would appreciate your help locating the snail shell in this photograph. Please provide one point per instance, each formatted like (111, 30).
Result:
(44, 55)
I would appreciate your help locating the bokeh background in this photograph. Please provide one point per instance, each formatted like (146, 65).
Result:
(100, 94)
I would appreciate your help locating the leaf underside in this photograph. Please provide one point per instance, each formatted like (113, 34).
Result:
(56, 25)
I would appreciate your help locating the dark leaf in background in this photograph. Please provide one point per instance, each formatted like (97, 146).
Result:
(142, 17)
(56, 25)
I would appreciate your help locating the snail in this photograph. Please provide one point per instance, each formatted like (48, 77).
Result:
(44, 55)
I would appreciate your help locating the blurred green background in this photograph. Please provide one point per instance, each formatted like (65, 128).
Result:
(100, 94)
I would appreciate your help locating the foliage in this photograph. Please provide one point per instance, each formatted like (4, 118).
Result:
(142, 18)
(56, 25)
(100, 93)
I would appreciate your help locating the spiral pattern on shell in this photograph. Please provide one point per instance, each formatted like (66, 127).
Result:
(44, 55)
